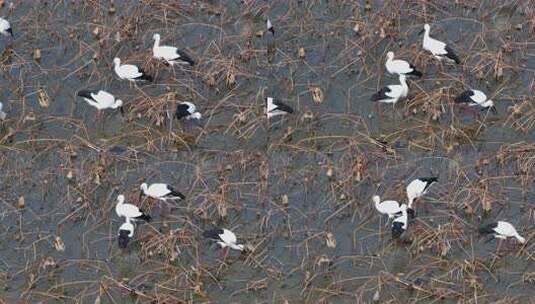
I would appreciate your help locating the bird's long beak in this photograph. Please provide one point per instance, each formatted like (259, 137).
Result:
(140, 194)
(421, 32)
(494, 110)
(122, 110)
(10, 31)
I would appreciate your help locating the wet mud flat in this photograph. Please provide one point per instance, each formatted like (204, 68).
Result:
(297, 189)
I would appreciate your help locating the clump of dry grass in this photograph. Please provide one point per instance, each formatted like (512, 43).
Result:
(521, 157)
(522, 116)
(439, 240)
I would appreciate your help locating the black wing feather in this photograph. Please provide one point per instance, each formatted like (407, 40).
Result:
(184, 57)
(450, 53)
(213, 234)
(381, 94)
(428, 181)
(144, 76)
(414, 71)
(182, 111)
(174, 193)
(145, 217)
(411, 213)
(123, 238)
(397, 229)
(488, 228)
(86, 94)
(282, 107)
(464, 97)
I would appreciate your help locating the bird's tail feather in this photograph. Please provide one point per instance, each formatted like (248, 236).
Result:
(145, 77)
(84, 93)
(415, 73)
(145, 217)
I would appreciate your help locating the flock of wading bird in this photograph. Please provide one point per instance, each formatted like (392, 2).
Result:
(399, 213)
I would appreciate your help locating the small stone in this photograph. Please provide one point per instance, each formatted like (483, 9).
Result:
(21, 203)
(330, 240)
(58, 244)
(317, 94)
(376, 296)
(330, 171)
(37, 55)
(301, 52)
(284, 200)
(96, 31)
(42, 97)
(356, 28)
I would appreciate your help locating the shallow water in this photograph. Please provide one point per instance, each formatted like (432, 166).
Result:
(235, 174)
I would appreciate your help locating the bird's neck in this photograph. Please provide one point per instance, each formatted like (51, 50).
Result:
(411, 199)
(403, 83)
(236, 247)
(426, 35)
(377, 203)
(156, 43)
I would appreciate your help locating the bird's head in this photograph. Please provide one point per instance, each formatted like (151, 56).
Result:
(119, 104)
(142, 189)
(426, 28)
(390, 55)
(376, 199)
(403, 207)
(196, 115)
(120, 198)
(116, 61)
(156, 37)
(489, 105)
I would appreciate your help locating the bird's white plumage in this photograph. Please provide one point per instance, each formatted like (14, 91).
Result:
(228, 239)
(480, 99)
(269, 26)
(396, 91)
(103, 100)
(416, 189)
(4, 27)
(504, 230)
(439, 49)
(168, 53)
(126, 71)
(436, 47)
(397, 66)
(403, 218)
(272, 108)
(3, 114)
(158, 191)
(126, 210)
(192, 109)
(128, 226)
(388, 207)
